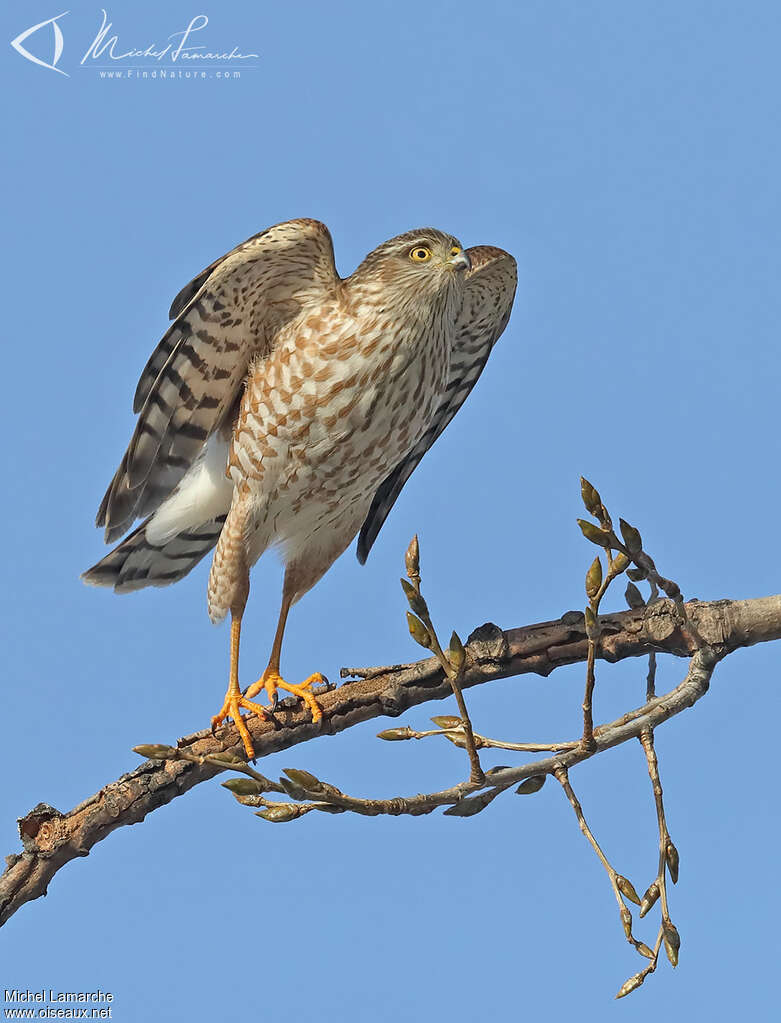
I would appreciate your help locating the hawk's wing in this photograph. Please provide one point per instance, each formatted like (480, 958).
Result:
(488, 299)
(229, 313)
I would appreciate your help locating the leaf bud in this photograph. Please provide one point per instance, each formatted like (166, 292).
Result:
(396, 734)
(627, 889)
(630, 985)
(456, 653)
(590, 495)
(414, 599)
(412, 558)
(531, 785)
(673, 861)
(596, 535)
(632, 538)
(650, 897)
(672, 941)
(279, 814)
(155, 751)
(594, 579)
(244, 786)
(418, 631)
(304, 779)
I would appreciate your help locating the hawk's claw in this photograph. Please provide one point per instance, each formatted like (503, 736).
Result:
(234, 703)
(272, 682)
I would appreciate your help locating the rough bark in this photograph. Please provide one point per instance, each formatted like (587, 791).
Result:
(51, 839)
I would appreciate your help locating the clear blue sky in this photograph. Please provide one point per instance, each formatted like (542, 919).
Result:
(629, 156)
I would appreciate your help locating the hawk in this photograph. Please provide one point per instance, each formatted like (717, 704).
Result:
(286, 406)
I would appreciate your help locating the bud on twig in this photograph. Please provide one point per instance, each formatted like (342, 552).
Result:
(156, 751)
(672, 941)
(293, 790)
(412, 559)
(459, 739)
(590, 495)
(279, 814)
(632, 538)
(594, 579)
(471, 805)
(396, 734)
(652, 893)
(531, 785)
(634, 597)
(226, 758)
(596, 535)
(650, 897)
(414, 599)
(447, 721)
(630, 985)
(328, 808)
(673, 861)
(620, 564)
(627, 889)
(418, 631)
(304, 779)
(456, 653)
(244, 787)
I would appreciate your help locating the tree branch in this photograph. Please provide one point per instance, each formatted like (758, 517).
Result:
(51, 839)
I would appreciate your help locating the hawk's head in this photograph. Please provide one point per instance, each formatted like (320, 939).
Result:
(424, 261)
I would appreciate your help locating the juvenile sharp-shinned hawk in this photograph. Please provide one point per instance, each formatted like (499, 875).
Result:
(286, 406)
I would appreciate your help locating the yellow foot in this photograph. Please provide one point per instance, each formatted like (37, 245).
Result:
(271, 681)
(234, 701)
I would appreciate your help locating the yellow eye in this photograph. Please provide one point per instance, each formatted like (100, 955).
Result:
(420, 254)
(455, 250)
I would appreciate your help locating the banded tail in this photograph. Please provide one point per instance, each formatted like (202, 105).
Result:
(136, 562)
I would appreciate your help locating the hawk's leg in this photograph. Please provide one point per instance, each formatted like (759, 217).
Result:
(234, 700)
(228, 591)
(272, 681)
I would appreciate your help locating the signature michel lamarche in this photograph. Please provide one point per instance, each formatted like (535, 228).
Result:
(180, 48)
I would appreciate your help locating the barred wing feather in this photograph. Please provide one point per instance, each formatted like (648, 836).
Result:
(490, 290)
(229, 313)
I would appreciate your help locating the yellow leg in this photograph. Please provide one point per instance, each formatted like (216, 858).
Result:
(271, 680)
(234, 700)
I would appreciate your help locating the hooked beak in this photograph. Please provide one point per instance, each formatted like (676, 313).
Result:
(460, 261)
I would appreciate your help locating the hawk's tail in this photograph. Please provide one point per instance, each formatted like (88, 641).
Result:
(137, 563)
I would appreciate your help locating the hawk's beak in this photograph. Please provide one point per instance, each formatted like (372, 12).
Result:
(460, 261)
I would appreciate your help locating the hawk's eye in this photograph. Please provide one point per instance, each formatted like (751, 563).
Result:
(455, 250)
(420, 254)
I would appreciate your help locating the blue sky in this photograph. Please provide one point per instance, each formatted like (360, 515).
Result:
(628, 156)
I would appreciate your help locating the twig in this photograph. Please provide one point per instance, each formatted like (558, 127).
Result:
(622, 886)
(52, 839)
(451, 728)
(668, 854)
(497, 780)
(453, 666)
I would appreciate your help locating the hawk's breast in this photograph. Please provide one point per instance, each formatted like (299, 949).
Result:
(347, 392)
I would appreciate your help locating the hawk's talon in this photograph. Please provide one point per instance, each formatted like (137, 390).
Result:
(272, 682)
(231, 708)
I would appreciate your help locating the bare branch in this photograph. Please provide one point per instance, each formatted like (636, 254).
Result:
(51, 839)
